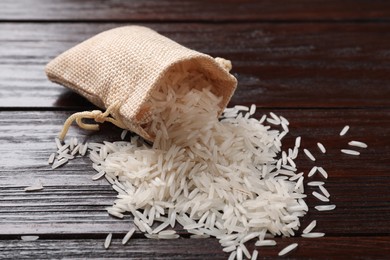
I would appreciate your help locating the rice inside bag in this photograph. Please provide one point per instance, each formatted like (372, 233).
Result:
(117, 70)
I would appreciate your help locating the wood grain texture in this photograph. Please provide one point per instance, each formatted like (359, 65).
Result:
(71, 203)
(325, 248)
(193, 10)
(277, 65)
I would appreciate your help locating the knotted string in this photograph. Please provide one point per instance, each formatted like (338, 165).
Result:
(97, 115)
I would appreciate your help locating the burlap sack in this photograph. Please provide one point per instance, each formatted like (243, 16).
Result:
(124, 65)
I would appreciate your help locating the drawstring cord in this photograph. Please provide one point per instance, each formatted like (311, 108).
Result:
(97, 115)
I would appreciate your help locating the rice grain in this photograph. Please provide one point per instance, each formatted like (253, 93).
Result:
(310, 227)
(321, 147)
(127, 237)
(313, 235)
(350, 152)
(344, 130)
(358, 144)
(287, 249)
(325, 207)
(107, 242)
(309, 154)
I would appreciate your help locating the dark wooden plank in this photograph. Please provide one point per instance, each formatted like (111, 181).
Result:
(72, 203)
(324, 248)
(165, 10)
(277, 65)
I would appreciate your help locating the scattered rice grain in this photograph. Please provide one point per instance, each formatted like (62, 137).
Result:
(358, 144)
(127, 237)
(344, 130)
(310, 227)
(287, 249)
(29, 238)
(313, 235)
(350, 152)
(325, 207)
(107, 242)
(321, 147)
(309, 154)
(34, 188)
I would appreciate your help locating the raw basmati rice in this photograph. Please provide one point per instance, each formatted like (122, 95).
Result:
(313, 235)
(123, 134)
(309, 154)
(29, 238)
(127, 237)
(298, 142)
(324, 191)
(59, 163)
(169, 169)
(233, 255)
(350, 152)
(323, 172)
(321, 147)
(358, 144)
(229, 249)
(252, 109)
(170, 236)
(214, 177)
(284, 120)
(34, 188)
(320, 197)
(107, 242)
(325, 207)
(98, 175)
(315, 183)
(245, 251)
(273, 121)
(344, 130)
(275, 117)
(310, 227)
(265, 243)
(287, 249)
(51, 158)
(312, 171)
(241, 108)
(255, 254)
(239, 253)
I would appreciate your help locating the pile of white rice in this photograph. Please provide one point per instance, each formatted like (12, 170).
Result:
(227, 178)
(217, 178)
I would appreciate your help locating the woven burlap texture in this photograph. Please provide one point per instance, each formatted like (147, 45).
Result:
(126, 64)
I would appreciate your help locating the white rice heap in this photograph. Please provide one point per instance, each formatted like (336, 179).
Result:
(217, 178)
(227, 177)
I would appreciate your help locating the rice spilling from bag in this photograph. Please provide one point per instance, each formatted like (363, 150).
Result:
(216, 177)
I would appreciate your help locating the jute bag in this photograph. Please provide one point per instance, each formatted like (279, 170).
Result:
(117, 70)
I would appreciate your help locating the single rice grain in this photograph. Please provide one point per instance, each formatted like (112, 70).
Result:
(350, 152)
(321, 147)
(127, 237)
(320, 197)
(312, 171)
(313, 235)
(34, 188)
(323, 172)
(287, 249)
(310, 227)
(324, 191)
(29, 238)
(358, 144)
(344, 130)
(107, 242)
(309, 154)
(325, 207)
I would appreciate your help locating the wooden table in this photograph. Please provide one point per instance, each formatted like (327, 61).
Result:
(321, 64)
